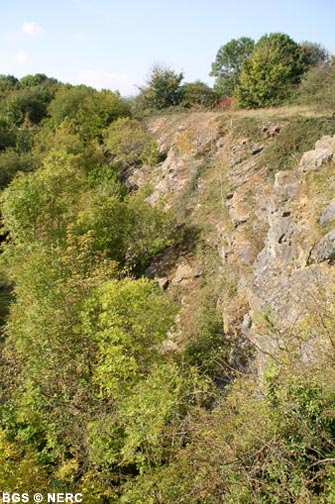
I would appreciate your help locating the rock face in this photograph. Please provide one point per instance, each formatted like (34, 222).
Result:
(323, 154)
(183, 273)
(294, 262)
(324, 250)
(328, 214)
(291, 267)
(274, 242)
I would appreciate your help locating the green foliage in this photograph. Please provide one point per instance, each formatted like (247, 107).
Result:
(313, 54)
(295, 138)
(151, 154)
(127, 230)
(247, 451)
(228, 64)
(37, 80)
(7, 83)
(23, 106)
(163, 88)
(86, 157)
(39, 205)
(317, 87)
(207, 346)
(29, 98)
(7, 133)
(19, 468)
(28, 103)
(93, 398)
(127, 141)
(269, 76)
(132, 321)
(11, 163)
(90, 112)
(197, 93)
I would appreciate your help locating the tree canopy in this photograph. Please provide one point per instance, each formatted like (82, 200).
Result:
(268, 77)
(163, 88)
(228, 64)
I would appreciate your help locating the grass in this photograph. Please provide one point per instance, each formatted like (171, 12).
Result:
(321, 193)
(283, 112)
(250, 127)
(295, 138)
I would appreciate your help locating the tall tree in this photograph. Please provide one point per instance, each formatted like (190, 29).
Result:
(313, 54)
(271, 73)
(228, 64)
(163, 88)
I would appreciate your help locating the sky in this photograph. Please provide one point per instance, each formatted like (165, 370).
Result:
(113, 44)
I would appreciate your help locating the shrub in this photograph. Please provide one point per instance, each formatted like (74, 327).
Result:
(127, 141)
(318, 87)
(197, 93)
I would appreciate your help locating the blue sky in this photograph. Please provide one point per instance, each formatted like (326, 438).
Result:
(113, 44)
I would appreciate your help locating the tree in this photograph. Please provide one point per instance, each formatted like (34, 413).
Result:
(30, 103)
(126, 140)
(197, 93)
(12, 162)
(7, 133)
(37, 80)
(269, 76)
(29, 97)
(7, 83)
(313, 54)
(318, 87)
(89, 110)
(228, 64)
(163, 88)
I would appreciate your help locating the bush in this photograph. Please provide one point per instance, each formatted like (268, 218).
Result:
(127, 142)
(318, 87)
(90, 111)
(11, 163)
(197, 93)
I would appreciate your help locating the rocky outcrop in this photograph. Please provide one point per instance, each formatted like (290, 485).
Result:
(272, 255)
(324, 250)
(277, 283)
(323, 154)
(291, 268)
(328, 214)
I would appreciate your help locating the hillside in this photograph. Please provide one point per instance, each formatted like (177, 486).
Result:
(257, 191)
(170, 335)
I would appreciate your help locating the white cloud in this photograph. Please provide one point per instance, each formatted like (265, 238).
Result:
(21, 56)
(31, 28)
(125, 83)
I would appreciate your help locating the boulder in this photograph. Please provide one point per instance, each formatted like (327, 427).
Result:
(313, 160)
(328, 214)
(324, 250)
(183, 272)
(326, 142)
(197, 272)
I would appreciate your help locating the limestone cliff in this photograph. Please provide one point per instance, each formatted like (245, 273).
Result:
(266, 221)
